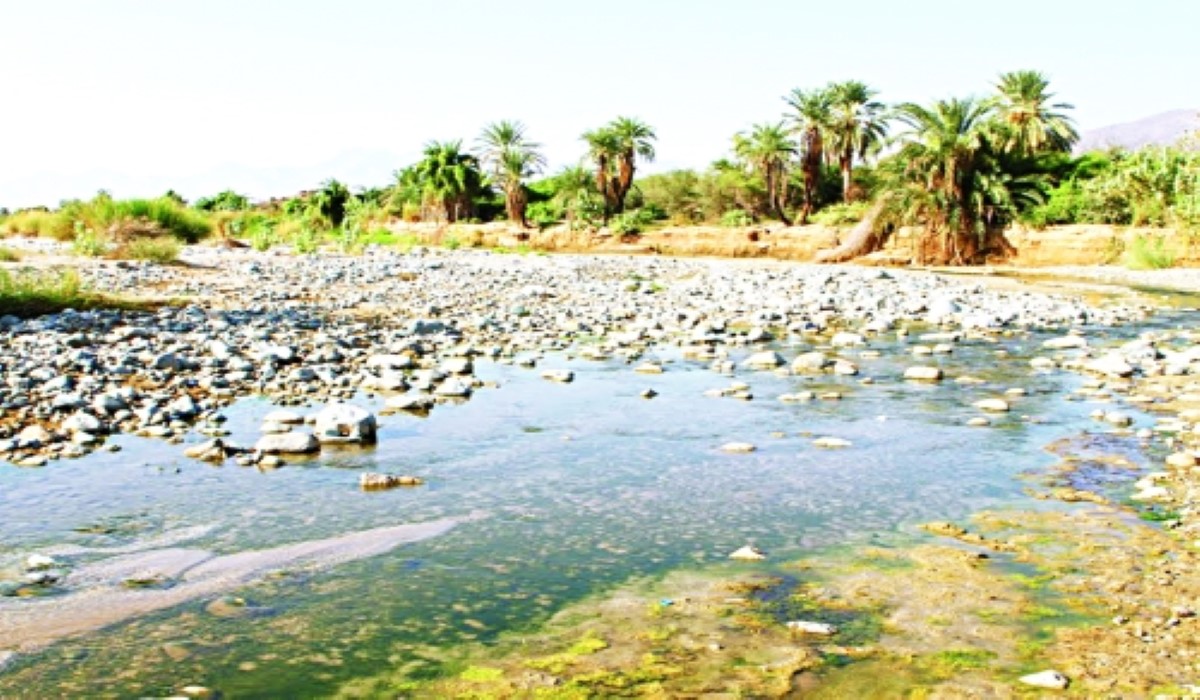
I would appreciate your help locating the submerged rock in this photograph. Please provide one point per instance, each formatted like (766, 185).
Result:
(372, 480)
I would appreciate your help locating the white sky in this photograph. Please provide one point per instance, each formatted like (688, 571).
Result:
(272, 96)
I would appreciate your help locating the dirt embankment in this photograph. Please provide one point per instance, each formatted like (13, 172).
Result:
(1058, 245)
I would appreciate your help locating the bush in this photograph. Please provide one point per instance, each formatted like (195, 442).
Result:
(88, 243)
(736, 217)
(9, 255)
(841, 214)
(26, 293)
(44, 224)
(1149, 253)
(164, 249)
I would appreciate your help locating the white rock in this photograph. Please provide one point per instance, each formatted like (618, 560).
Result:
(1181, 460)
(831, 442)
(811, 362)
(845, 339)
(38, 562)
(1066, 342)
(738, 447)
(923, 374)
(807, 627)
(410, 402)
(649, 368)
(748, 553)
(344, 423)
(562, 376)
(285, 417)
(1112, 365)
(1046, 679)
(453, 388)
(768, 359)
(992, 405)
(287, 443)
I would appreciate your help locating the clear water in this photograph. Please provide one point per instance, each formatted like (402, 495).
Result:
(581, 486)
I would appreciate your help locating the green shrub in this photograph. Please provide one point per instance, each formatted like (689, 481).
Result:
(451, 242)
(9, 255)
(262, 233)
(43, 224)
(88, 243)
(1149, 253)
(736, 217)
(28, 293)
(306, 240)
(164, 249)
(841, 214)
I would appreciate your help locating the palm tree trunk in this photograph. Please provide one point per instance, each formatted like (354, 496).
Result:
(864, 238)
(847, 163)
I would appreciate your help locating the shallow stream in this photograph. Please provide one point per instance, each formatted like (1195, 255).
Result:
(567, 490)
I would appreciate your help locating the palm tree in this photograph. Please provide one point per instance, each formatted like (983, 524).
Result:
(634, 140)
(604, 149)
(810, 118)
(512, 157)
(574, 191)
(1033, 124)
(330, 201)
(769, 150)
(948, 178)
(449, 178)
(856, 128)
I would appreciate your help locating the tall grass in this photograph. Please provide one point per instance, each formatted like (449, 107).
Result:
(44, 224)
(1149, 253)
(114, 218)
(163, 250)
(26, 293)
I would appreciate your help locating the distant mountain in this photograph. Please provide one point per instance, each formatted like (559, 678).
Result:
(1159, 130)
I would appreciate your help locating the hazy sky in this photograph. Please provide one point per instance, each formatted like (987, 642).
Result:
(268, 97)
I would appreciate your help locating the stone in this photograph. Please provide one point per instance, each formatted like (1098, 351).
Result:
(649, 368)
(284, 417)
(1112, 365)
(342, 423)
(1046, 679)
(453, 388)
(81, 422)
(815, 628)
(1181, 460)
(811, 362)
(39, 562)
(372, 480)
(287, 443)
(831, 442)
(410, 402)
(846, 339)
(748, 553)
(562, 376)
(992, 405)
(923, 374)
(739, 447)
(768, 359)
(1067, 342)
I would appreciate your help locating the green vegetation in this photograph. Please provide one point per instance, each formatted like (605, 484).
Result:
(9, 255)
(957, 171)
(27, 293)
(165, 249)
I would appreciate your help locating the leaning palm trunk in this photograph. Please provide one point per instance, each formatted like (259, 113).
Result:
(866, 237)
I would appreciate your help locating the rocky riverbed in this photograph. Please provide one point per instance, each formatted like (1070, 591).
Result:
(317, 335)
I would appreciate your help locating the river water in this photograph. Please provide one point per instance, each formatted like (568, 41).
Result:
(563, 491)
